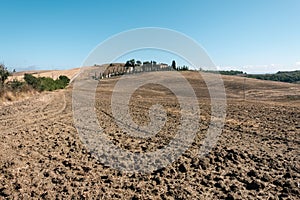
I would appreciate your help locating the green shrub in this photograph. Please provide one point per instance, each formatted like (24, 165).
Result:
(32, 81)
(4, 73)
(46, 83)
(64, 80)
(16, 85)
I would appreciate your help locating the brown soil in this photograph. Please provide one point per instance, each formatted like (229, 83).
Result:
(256, 157)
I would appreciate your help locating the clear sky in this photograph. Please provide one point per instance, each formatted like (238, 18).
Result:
(251, 35)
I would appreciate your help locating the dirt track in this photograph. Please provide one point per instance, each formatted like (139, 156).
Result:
(257, 155)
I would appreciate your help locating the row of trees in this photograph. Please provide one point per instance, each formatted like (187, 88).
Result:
(226, 72)
(133, 63)
(182, 68)
(131, 67)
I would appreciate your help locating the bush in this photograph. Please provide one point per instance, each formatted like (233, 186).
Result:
(32, 81)
(16, 85)
(64, 80)
(4, 73)
(46, 83)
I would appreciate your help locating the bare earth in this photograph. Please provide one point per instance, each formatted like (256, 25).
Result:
(256, 157)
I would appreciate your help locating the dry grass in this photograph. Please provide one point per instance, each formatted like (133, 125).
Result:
(10, 97)
(7, 95)
(70, 73)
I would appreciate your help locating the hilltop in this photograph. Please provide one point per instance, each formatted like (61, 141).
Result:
(236, 86)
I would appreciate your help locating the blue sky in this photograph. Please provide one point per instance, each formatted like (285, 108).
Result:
(250, 35)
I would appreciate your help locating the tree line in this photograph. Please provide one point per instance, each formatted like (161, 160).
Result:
(282, 76)
(289, 77)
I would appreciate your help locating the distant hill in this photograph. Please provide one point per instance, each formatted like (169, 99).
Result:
(70, 73)
(282, 76)
(226, 72)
